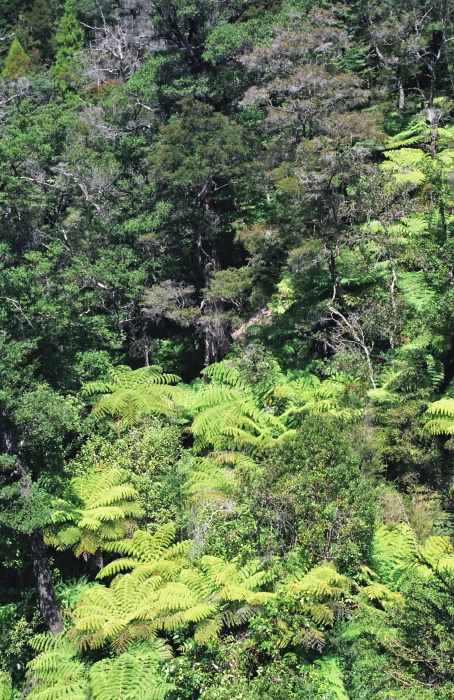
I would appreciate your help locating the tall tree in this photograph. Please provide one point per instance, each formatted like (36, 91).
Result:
(69, 40)
(200, 161)
(17, 62)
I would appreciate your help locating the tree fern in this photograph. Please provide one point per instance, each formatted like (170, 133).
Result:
(417, 132)
(100, 510)
(394, 550)
(230, 414)
(161, 594)
(323, 581)
(405, 165)
(329, 671)
(57, 672)
(6, 689)
(436, 555)
(149, 555)
(306, 394)
(396, 553)
(440, 416)
(209, 480)
(129, 394)
(318, 592)
(211, 595)
(133, 675)
(117, 615)
(60, 672)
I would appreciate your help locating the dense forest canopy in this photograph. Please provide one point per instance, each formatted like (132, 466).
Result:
(226, 336)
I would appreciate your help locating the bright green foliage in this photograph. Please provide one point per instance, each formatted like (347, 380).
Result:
(60, 672)
(133, 675)
(305, 394)
(307, 605)
(210, 480)
(331, 673)
(165, 592)
(229, 413)
(318, 591)
(129, 394)
(311, 492)
(396, 553)
(5, 686)
(214, 595)
(394, 550)
(17, 63)
(149, 555)
(372, 640)
(152, 454)
(263, 189)
(441, 417)
(57, 670)
(117, 615)
(101, 506)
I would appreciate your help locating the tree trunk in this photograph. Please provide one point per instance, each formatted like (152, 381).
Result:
(401, 99)
(46, 596)
(217, 336)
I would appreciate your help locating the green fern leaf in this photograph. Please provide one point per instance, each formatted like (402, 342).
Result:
(6, 689)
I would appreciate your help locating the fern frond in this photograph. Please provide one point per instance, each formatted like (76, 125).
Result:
(6, 688)
(129, 394)
(319, 613)
(103, 504)
(441, 414)
(329, 670)
(321, 581)
(57, 672)
(394, 550)
(417, 132)
(222, 372)
(133, 675)
(208, 629)
(148, 554)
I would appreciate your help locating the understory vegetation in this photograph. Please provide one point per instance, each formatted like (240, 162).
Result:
(226, 350)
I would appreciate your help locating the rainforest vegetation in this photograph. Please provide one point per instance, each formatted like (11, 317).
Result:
(226, 350)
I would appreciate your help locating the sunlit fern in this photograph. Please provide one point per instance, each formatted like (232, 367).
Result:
(211, 479)
(213, 594)
(128, 395)
(440, 416)
(60, 672)
(6, 689)
(317, 591)
(328, 670)
(208, 594)
(117, 615)
(133, 675)
(148, 555)
(396, 553)
(308, 395)
(100, 510)
(227, 413)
